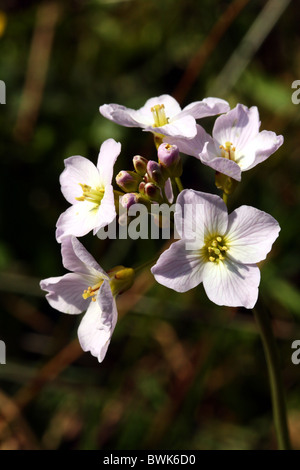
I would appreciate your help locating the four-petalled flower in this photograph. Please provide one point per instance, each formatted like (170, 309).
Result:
(236, 144)
(88, 288)
(162, 115)
(88, 188)
(224, 253)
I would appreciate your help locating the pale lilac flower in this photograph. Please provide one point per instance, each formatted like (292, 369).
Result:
(163, 115)
(88, 288)
(88, 188)
(236, 146)
(225, 249)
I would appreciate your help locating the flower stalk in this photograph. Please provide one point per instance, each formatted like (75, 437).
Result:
(277, 393)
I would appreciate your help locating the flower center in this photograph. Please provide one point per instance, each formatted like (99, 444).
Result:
(215, 249)
(159, 115)
(228, 151)
(92, 195)
(92, 291)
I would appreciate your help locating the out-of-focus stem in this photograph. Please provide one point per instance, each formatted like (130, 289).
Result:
(277, 393)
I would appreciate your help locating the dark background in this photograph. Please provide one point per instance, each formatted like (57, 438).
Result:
(180, 372)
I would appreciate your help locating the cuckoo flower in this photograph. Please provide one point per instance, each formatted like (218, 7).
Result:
(224, 251)
(162, 115)
(88, 188)
(88, 288)
(236, 146)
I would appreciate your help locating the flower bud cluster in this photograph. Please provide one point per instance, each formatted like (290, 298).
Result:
(147, 182)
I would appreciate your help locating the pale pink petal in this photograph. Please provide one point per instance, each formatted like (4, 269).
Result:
(77, 259)
(169, 191)
(97, 325)
(183, 127)
(119, 114)
(250, 234)
(141, 117)
(77, 220)
(206, 107)
(65, 292)
(238, 126)
(109, 152)
(231, 284)
(220, 164)
(192, 146)
(179, 269)
(171, 106)
(200, 215)
(262, 146)
(107, 210)
(78, 170)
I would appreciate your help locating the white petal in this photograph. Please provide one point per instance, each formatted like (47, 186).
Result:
(200, 215)
(251, 234)
(206, 107)
(239, 127)
(192, 146)
(65, 292)
(183, 127)
(97, 325)
(142, 117)
(231, 284)
(77, 259)
(107, 211)
(109, 152)
(171, 106)
(262, 146)
(77, 220)
(179, 269)
(119, 114)
(78, 170)
(220, 164)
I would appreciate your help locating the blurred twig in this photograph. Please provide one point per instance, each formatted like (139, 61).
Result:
(72, 352)
(3, 21)
(47, 17)
(28, 314)
(251, 42)
(181, 384)
(20, 433)
(207, 47)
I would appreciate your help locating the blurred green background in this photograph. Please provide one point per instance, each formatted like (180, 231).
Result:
(180, 372)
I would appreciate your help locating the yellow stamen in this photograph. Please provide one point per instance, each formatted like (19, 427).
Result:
(228, 151)
(91, 195)
(159, 115)
(215, 249)
(91, 291)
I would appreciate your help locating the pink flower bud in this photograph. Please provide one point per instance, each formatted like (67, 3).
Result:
(155, 174)
(128, 200)
(128, 181)
(168, 156)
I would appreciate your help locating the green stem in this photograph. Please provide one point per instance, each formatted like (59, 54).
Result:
(277, 393)
(146, 264)
(179, 184)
